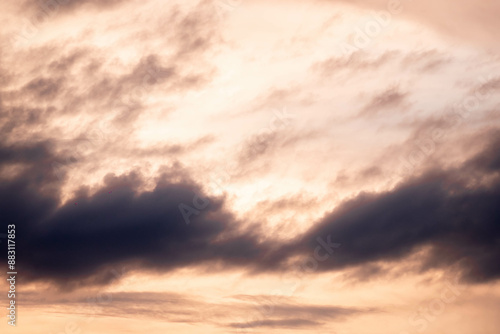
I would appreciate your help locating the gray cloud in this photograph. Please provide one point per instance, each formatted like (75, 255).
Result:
(451, 213)
(71, 243)
(50, 7)
(384, 101)
(299, 316)
(358, 60)
(283, 323)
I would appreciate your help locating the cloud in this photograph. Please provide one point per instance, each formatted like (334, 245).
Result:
(44, 87)
(191, 309)
(471, 22)
(82, 78)
(291, 203)
(299, 316)
(488, 160)
(451, 214)
(386, 100)
(358, 60)
(286, 323)
(75, 242)
(427, 60)
(52, 6)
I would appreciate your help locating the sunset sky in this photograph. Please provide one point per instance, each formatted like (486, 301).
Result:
(251, 166)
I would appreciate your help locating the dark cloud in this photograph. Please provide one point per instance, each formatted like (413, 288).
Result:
(453, 215)
(25, 153)
(67, 80)
(489, 159)
(89, 233)
(73, 243)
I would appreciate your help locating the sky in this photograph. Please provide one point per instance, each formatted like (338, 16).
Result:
(237, 166)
